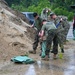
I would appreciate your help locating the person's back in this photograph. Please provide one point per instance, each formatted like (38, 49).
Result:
(49, 26)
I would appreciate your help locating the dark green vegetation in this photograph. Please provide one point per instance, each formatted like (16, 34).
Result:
(60, 7)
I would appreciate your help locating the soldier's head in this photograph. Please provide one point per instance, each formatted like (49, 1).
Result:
(35, 15)
(46, 10)
(44, 21)
(53, 15)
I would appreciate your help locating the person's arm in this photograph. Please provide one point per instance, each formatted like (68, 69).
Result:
(42, 33)
(32, 26)
(59, 23)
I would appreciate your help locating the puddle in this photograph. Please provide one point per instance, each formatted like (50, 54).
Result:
(64, 66)
(51, 66)
(70, 72)
(31, 70)
(70, 33)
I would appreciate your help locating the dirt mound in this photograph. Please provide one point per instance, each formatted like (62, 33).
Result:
(15, 34)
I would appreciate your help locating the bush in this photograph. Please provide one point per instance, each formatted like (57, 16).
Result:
(58, 11)
(41, 5)
(70, 16)
(17, 7)
(64, 12)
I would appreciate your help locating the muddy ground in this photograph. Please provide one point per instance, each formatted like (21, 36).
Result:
(64, 66)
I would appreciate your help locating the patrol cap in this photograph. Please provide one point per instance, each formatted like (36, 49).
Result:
(51, 14)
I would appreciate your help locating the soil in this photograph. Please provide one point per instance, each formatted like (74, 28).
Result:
(14, 33)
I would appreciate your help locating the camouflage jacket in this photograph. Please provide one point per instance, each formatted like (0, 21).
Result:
(38, 24)
(65, 22)
(60, 27)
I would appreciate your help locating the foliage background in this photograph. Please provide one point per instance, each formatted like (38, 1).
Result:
(60, 7)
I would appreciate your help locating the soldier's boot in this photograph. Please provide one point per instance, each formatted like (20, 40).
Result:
(46, 58)
(62, 50)
(52, 51)
(32, 52)
(54, 56)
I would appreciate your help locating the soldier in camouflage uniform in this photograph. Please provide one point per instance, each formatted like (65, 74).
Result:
(60, 29)
(38, 25)
(66, 27)
(50, 29)
(44, 13)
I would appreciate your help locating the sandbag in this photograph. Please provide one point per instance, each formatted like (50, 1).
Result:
(43, 45)
(22, 59)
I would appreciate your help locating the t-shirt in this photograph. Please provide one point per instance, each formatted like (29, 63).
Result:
(48, 26)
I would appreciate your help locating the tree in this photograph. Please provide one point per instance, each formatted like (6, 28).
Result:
(38, 5)
(10, 2)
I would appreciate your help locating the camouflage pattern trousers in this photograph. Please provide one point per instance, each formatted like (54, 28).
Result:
(54, 37)
(36, 41)
(51, 35)
(65, 32)
(56, 41)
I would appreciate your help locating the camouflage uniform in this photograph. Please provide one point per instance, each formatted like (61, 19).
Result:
(66, 27)
(38, 26)
(44, 14)
(60, 29)
(51, 35)
(50, 29)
